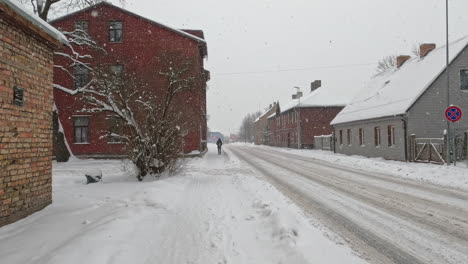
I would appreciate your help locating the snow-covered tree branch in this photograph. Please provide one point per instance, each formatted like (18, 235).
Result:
(149, 117)
(386, 64)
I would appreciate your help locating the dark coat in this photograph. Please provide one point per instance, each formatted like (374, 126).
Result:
(219, 143)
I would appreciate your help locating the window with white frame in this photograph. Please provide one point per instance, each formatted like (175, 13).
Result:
(115, 31)
(81, 128)
(377, 136)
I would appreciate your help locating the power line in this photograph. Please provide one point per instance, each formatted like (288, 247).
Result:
(296, 69)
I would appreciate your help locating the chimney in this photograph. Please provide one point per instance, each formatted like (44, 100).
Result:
(315, 84)
(425, 48)
(400, 60)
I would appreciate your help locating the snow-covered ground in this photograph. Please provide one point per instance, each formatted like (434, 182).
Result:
(450, 176)
(215, 211)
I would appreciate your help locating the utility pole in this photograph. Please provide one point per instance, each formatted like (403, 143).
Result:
(298, 96)
(449, 138)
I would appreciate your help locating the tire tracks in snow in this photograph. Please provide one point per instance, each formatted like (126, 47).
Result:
(372, 201)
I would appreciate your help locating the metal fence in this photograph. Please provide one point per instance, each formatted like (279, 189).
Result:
(434, 150)
(324, 142)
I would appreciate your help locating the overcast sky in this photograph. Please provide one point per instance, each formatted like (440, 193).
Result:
(260, 49)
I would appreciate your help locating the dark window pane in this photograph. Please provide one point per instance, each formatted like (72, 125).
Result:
(81, 75)
(464, 79)
(77, 134)
(115, 31)
(81, 129)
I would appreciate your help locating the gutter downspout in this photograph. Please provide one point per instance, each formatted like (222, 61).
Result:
(334, 139)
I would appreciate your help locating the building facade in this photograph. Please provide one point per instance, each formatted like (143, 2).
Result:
(314, 113)
(134, 44)
(261, 125)
(403, 102)
(26, 72)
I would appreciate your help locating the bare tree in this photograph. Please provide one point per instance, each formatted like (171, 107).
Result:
(247, 129)
(43, 8)
(73, 56)
(385, 64)
(150, 117)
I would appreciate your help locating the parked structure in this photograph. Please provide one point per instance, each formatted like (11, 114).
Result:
(261, 125)
(132, 44)
(408, 100)
(316, 109)
(27, 45)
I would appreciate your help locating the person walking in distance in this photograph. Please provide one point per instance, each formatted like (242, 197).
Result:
(219, 143)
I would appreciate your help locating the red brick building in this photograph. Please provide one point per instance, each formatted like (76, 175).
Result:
(132, 43)
(317, 110)
(26, 67)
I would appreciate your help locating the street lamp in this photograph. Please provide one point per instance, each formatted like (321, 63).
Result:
(449, 143)
(298, 96)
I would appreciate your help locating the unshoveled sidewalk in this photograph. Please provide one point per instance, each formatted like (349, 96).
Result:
(215, 211)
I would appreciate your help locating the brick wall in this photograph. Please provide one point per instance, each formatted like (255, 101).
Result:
(25, 131)
(315, 121)
(139, 55)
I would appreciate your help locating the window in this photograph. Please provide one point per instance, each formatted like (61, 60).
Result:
(115, 31)
(464, 80)
(115, 128)
(349, 137)
(361, 137)
(117, 69)
(81, 25)
(391, 135)
(341, 137)
(81, 125)
(377, 136)
(81, 75)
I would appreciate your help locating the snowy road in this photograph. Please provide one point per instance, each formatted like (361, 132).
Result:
(386, 219)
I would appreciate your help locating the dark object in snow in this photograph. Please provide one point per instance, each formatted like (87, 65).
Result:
(219, 143)
(93, 176)
(61, 152)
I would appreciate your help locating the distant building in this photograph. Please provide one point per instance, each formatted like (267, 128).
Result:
(214, 136)
(317, 109)
(132, 43)
(261, 125)
(408, 100)
(26, 71)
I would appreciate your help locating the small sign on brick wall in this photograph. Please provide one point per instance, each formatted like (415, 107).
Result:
(18, 96)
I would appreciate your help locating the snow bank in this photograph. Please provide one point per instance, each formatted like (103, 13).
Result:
(450, 176)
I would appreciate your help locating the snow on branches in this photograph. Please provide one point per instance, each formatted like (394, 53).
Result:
(149, 117)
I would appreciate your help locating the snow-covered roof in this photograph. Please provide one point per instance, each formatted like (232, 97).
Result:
(271, 116)
(36, 20)
(321, 97)
(265, 113)
(393, 92)
(179, 31)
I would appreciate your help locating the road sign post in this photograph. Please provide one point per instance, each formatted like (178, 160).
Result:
(452, 114)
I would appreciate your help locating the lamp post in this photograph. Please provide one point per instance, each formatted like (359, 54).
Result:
(449, 143)
(298, 96)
